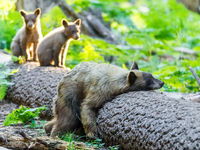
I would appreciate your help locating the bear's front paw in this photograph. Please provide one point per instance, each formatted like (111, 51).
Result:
(92, 133)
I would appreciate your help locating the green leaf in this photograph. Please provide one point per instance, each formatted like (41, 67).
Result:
(22, 115)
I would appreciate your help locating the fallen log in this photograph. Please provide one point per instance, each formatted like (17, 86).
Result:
(134, 120)
(150, 120)
(185, 50)
(35, 86)
(195, 75)
(16, 138)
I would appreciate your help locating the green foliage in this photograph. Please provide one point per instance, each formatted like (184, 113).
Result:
(113, 147)
(22, 115)
(3, 89)
(10, 22)
(113, 11)
(4, 79)
(52, 20)
(96, 143)
(37, 124)
(156, 26)
(159, 27)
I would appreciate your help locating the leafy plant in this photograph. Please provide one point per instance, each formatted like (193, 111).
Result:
(22, 115)
(52, 20)
(113, 147)
(10, 22)
(37, 124)
(95, 143)
(71, 137)
(4, 79)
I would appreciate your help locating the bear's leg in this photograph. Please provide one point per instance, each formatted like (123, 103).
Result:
(49, 125)
(16, 50)
(66, 122)
(88, 118)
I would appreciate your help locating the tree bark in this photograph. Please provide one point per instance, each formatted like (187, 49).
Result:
(31, 5)
(192, 5)
(19, 140)
(35, 86)
(149, 121)
(92, 22)
(134, 120)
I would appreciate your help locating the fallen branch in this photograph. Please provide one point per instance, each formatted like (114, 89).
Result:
(185, 50)
(91, 24)
(22, 141)
(195, 75)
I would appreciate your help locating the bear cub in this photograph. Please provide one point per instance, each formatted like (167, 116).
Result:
(53, 48)
(84, 89)
(27, 38)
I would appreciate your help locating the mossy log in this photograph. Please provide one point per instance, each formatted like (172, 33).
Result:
(134, 120)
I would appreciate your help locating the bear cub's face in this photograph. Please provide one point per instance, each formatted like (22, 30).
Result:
(72, 29)
(139, 80)
(31, 19)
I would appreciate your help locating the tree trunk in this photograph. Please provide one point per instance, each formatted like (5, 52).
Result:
(92, 22)
(31, 5)
(192, 5)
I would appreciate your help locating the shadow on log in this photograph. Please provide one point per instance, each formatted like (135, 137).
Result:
(134, 120)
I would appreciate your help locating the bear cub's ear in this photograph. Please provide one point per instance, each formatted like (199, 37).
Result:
(23, 13)
(78, 22)
(37, 11)
(135, 66)
(64, 23)
(131, 77)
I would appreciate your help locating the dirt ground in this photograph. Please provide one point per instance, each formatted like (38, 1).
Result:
(13, 131)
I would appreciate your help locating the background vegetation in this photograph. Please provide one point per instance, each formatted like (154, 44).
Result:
(157, 27)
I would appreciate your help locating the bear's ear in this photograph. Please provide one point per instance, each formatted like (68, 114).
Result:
(23, 13)
(64, 23)
(37, 11)
(135, 66)
(131, 77)
(78, 22)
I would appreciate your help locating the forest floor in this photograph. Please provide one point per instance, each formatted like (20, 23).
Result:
(15, 131)
(22, 136)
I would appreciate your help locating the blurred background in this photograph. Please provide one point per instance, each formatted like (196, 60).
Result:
(163, 36)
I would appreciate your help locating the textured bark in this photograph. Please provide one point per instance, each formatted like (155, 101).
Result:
(135, 120)
(192, 5)
(150, 120)
(19, 140)
(35, 86)
(31, 5)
